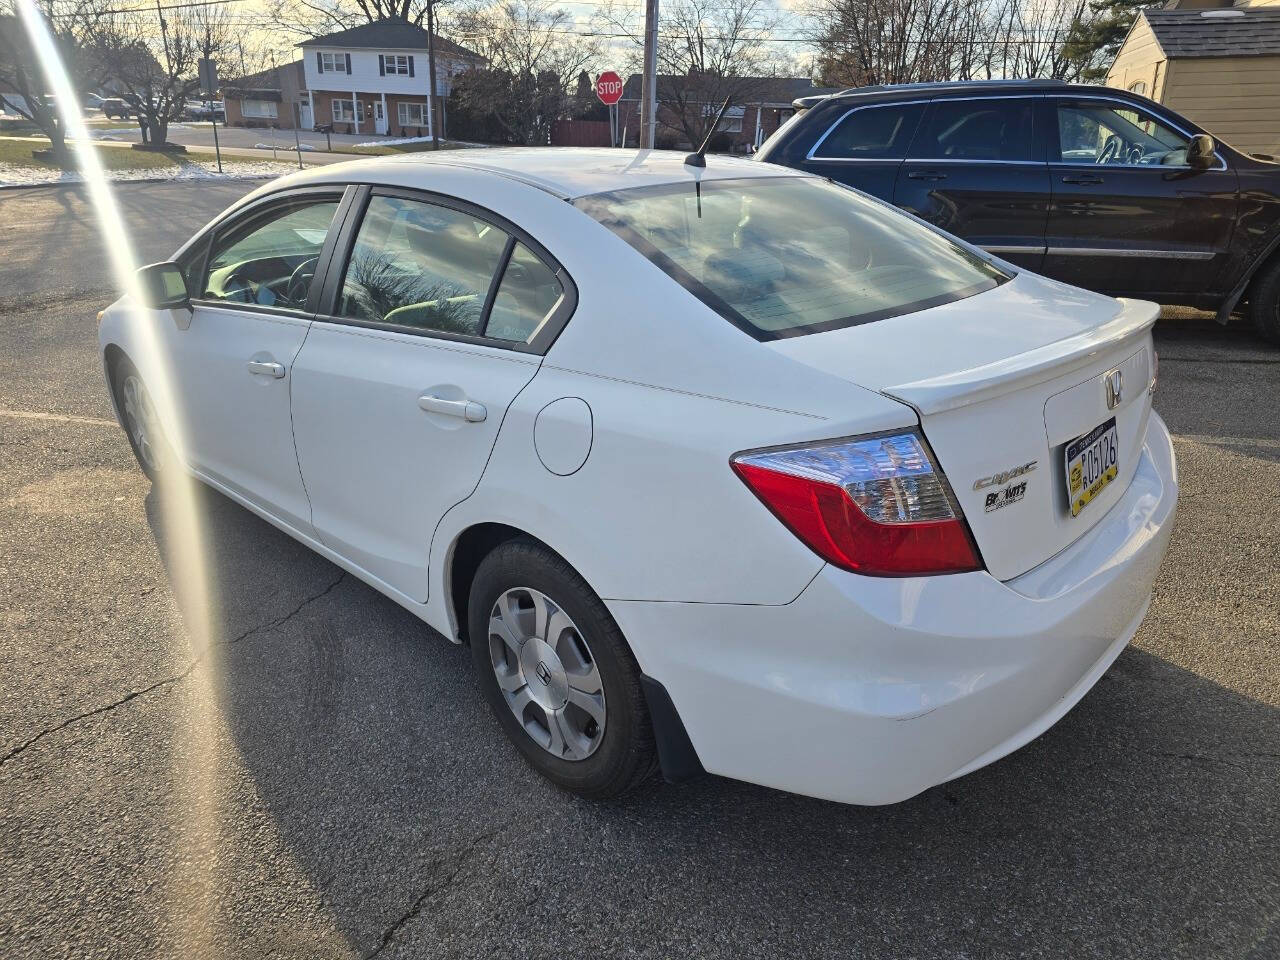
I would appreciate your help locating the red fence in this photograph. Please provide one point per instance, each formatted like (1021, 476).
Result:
(580, 133)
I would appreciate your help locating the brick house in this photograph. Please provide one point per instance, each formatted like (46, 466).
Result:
(758, 106)
(373, 78)
(273, 98)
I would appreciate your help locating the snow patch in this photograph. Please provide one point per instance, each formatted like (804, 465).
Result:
(191, 168)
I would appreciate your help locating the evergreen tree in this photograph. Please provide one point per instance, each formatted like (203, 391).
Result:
(1098, 39)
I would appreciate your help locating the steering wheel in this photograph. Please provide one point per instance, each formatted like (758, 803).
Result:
(1110, 149)
(1136, 154)
(300, 280)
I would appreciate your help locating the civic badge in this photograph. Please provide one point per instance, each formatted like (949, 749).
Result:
(1115, 388)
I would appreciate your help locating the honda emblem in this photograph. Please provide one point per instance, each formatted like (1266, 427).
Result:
(1115, 387)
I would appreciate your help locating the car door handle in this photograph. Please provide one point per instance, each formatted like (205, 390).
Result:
(926, 175)
(266, 368)
(467, 410)
(1081, 178)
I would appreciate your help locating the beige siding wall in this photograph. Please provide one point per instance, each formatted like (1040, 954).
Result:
(1140, 59)
(1235, 98)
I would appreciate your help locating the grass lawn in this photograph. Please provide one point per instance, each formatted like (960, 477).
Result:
(423, 146)
(18, 152)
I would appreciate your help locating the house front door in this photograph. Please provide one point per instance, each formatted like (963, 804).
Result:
(304, 116)
(379, 117)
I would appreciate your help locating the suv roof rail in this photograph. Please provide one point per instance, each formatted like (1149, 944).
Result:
(804, 103)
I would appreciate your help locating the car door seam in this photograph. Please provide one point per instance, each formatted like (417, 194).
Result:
(431, 543)
(297, 458)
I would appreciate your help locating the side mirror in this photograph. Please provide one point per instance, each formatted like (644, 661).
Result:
(1200, 151)
(163, 287)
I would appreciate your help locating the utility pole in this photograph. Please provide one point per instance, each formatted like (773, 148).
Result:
(431, 68)
(649, 81)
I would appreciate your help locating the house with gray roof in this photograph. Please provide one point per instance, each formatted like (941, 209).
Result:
(1215, 62)
(374, 79)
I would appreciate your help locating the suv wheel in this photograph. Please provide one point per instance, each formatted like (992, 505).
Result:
(558, 673)
(1264, 302)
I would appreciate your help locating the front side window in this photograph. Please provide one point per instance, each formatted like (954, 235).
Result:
(788, 256)
(422, 266)
(995, 130)
(270, 260)
(1114, 135)
(412, 114)
(333, 63)
(872, 133)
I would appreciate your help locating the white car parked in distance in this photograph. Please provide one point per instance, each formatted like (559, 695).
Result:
(727, 468)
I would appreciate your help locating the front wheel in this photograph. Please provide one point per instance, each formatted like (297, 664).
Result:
(141, 423)
(558, 673)
(1264, 302)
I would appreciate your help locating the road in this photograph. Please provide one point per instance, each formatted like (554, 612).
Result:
(326, 782)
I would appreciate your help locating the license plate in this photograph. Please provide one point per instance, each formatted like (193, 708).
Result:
(1092, 461)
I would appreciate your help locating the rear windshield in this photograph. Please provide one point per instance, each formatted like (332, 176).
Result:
(788, 256)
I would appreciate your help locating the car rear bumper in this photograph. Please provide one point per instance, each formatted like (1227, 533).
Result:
(868, 690)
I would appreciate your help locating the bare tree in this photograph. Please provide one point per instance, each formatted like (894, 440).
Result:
(534, 60)
(22, 75)
(707, 50)
(863, 42)
(155, 59)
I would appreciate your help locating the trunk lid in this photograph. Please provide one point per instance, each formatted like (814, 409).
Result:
(1003, 382)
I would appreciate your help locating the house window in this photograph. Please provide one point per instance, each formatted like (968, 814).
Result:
(333, 63)
(412, 114)
(259, 108)
(1139, 87)
(395, 65)
(731, 122)
(344, 111)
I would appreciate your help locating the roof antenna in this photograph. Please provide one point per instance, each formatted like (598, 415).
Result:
(696, 159)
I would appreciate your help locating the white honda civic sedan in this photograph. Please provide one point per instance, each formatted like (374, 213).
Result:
(717, 468)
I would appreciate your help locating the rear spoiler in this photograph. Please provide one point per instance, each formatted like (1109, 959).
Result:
(959, 389)
(804, 103)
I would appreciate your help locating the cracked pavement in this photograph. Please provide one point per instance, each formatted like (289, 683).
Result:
(318, 776)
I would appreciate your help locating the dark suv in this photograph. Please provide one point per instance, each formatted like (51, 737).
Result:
(1101, 188)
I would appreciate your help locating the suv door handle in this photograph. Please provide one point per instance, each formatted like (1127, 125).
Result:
(266, 368)
(1082, 178)
(467, 410)
(926, 175)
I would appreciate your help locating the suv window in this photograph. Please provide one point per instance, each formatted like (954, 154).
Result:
(1113, 135)
(787, 256)
(992, 129)
(872, 133)
(270, 258)
(421, 265)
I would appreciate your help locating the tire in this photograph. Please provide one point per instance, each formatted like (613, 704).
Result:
(608, 759)
(1264, 302)
(137, 415)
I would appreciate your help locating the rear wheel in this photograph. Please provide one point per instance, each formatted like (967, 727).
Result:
(558, 673)
(1264, 302)
(141, 424)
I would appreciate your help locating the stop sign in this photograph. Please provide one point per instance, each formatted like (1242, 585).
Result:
(609, 87)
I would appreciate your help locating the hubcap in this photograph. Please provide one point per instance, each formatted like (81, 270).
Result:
(140, 417)
(547, 674)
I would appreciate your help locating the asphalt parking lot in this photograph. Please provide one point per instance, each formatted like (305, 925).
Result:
(323, 780)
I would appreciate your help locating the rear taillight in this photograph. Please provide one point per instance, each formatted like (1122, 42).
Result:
(873, 505)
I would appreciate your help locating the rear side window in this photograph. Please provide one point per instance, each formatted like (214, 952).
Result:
(872, 133)
(787, 256)
(421, 265)
(995, 130)
(528, 294)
